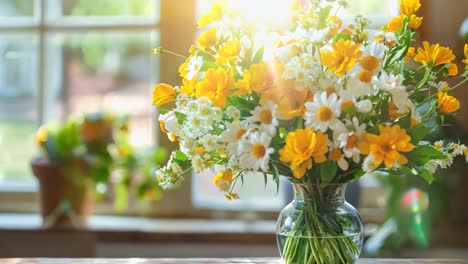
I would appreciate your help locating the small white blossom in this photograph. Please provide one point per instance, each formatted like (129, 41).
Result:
(193, 67)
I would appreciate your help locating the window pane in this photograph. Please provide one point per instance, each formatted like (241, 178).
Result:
(254, 195)
(104, 8)
(15, 8)
(102, 72)
(276, 14)
(18, 105)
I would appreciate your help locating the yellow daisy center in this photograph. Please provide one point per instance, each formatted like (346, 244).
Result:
(258, 150)
(336, 155)
(348, 104)
(352, 141)
(324, 113)
(369, 63)
(365, 76)
(266, 117)
(240, 133)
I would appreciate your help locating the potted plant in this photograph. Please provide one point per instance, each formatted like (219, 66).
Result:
(74, 158)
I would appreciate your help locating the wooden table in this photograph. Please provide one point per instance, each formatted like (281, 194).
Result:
(212, 261)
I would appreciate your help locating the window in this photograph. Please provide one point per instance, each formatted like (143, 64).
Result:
(63, 57)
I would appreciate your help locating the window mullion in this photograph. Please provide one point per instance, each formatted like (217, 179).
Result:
(41, 62)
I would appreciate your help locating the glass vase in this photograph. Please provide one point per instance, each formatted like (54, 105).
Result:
(319, 226)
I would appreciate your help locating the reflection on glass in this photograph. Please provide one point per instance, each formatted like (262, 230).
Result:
(15, 8)
(108, 7)
(18, 107)
(102, 72)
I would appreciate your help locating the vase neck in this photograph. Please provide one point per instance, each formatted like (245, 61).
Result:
(323, 193)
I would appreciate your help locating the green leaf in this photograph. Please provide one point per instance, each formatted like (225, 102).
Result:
(420, 155)
(206, 56)
(276, 177)
(418, 133)
(180, 117)
(265, 178)
(208, 65)
(405, 121)
(328, 170)
(258, 56)
(427, 176)
(179, 157)
(341, 36)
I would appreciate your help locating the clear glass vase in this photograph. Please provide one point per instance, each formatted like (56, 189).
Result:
(319, 226)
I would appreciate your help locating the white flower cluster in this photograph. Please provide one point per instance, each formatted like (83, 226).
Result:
(451, 151)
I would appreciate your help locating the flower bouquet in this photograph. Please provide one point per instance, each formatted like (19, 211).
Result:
(332, 103)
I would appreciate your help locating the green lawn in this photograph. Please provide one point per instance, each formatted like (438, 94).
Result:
(16, 149)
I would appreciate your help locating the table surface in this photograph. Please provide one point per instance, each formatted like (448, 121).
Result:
(213, 261)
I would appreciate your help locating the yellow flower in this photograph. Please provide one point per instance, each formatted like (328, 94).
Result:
(452, 69)
(301, 146)
(223, 180)
(283, 92)
(386, 147)
(216, 86)
(446, 103)
(343, 57)
(41, 136)
(259, 78)
(415, 22)
(163, 94)
(465, 49)
(433, 55)
(410, 54)
(217, 11)
(409, 7)
(208, 39)
(228, 53)
(396, 22)
(188, 87)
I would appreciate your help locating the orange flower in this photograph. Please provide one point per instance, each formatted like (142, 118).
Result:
(434, 55)
(301, 147)
(386, 147)
(216, 86)
(163, 94)
(343, 57)
(446, 103)
(452, 69)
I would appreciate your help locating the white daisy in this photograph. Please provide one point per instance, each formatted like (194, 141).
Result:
(323, 112)
(233, 134)
(265, 115)
(255, 152)
(388, 82)
(369, 164)
(348, 136)
(233, 112)
(193, 67)
(336, 154)
(375, 49)
(169, 124)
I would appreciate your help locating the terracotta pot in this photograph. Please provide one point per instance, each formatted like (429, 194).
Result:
(65, 193)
